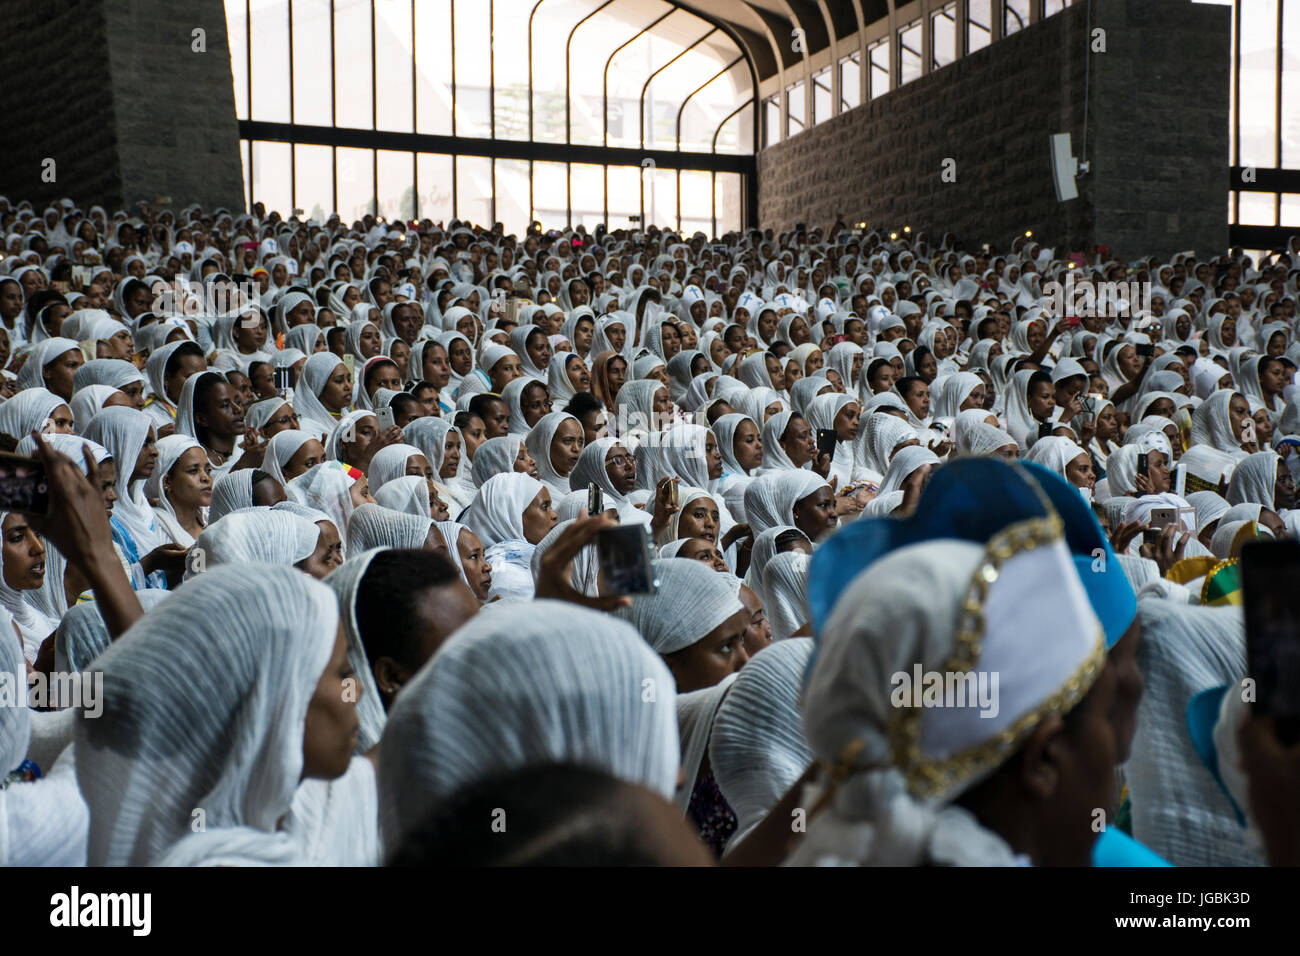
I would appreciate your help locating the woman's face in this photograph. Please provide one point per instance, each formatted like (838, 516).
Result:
(566, 446)
(662, 407)
(1158, 472)
(702, 550)
(539, 349)
(384, 375)
(974, 400)
(1042, 399)
(189, 483)
(1107, 423)
(699, 519)
(524, 463)
(1276, 344)
(506, 370)
(815, 514)
(1264, 428)
(11, 299)
(1035, 335)
(332, 725)
(918, 399)
(539, 518)
(712, 657)
(473, 433)
(846, 422)
(311, 453)
(1272, 378)
(450, 455)
(774, 372)
(616, 373)
(799, 333)
(1228, 333)
(672, 340)
(328, 554)
(928, 368)
(60, 421)
(60, 371)
(583, 330)
(534, 403)
(360, 493)
(576, 370)
(24, 555)
(1129, 362)
(337, 392)
(1284, 496)
(369, 341)
(620, 467)
(1238, 412)
(1079, 471)
(474, 560)
(747, 446)
(462, 357)
(767, 325)
(616, 335)
(435, 369)
(792, 372)
(799, 442)
(147, 460)
(263, 382)
(417, 466)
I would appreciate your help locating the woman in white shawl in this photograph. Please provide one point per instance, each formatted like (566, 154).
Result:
(291, 453)
(129, 437)
(35, 409)
(880, 436)
(374, 526)
(593, 468)
(394, 461)
(785, 593)
(1255, 478)
(52, 364)
(777, 430)
(43, 822)
(320, 397)
(741, 446)
(23, 562)
(274, 667)
(443, 446)
(823, 412)
(181, 484)
(555, 443)
(522, 685)
(510, 514)
(892, 494)
(1218, 424)
(757, 750)
(771, 499)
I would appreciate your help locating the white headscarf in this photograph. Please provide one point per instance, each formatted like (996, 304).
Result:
(42, 822)
(280, 451)
(170, 450)
(345, 581)
(758, 750)
(256, 536)
(124, 431)
(497, 512)
(785, 592)
(374, 526)
(525, 684)
(682, 583)
(236, 750)
(770, 499)
(388, 464)
(538, 441)
(28, 411)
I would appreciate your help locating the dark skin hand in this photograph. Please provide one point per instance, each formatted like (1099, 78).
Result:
(1168, 549)
(554, 577)
(735, 534)
(663, 508)
(1273, 770)
(77, 525)
(772, 840)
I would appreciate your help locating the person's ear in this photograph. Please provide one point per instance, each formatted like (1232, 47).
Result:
(1042, 759)
(390, 676)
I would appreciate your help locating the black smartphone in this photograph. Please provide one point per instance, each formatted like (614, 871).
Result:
(1045, 429)
(23, 485)
(1142, 464)
(825, 441)
(285, 378)
(1145, 350)
(1271, 606)
(595, 499)
(625, 562)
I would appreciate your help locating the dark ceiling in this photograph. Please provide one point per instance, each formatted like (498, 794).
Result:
(765, 29)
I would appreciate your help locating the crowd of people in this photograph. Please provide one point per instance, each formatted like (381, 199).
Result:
(321, 564)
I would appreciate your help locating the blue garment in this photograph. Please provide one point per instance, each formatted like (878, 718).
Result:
(139, 580)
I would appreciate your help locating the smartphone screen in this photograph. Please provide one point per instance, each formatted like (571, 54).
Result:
(595, 499)
(1145, 350)
(285, 378)
(1142, 464)
(825, 441)
(1045, 429)
(1271, 605)
(23, 486)
(385, 418)
(625, 563)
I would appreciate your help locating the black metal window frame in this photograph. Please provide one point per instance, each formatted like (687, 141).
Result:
(253, 132)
